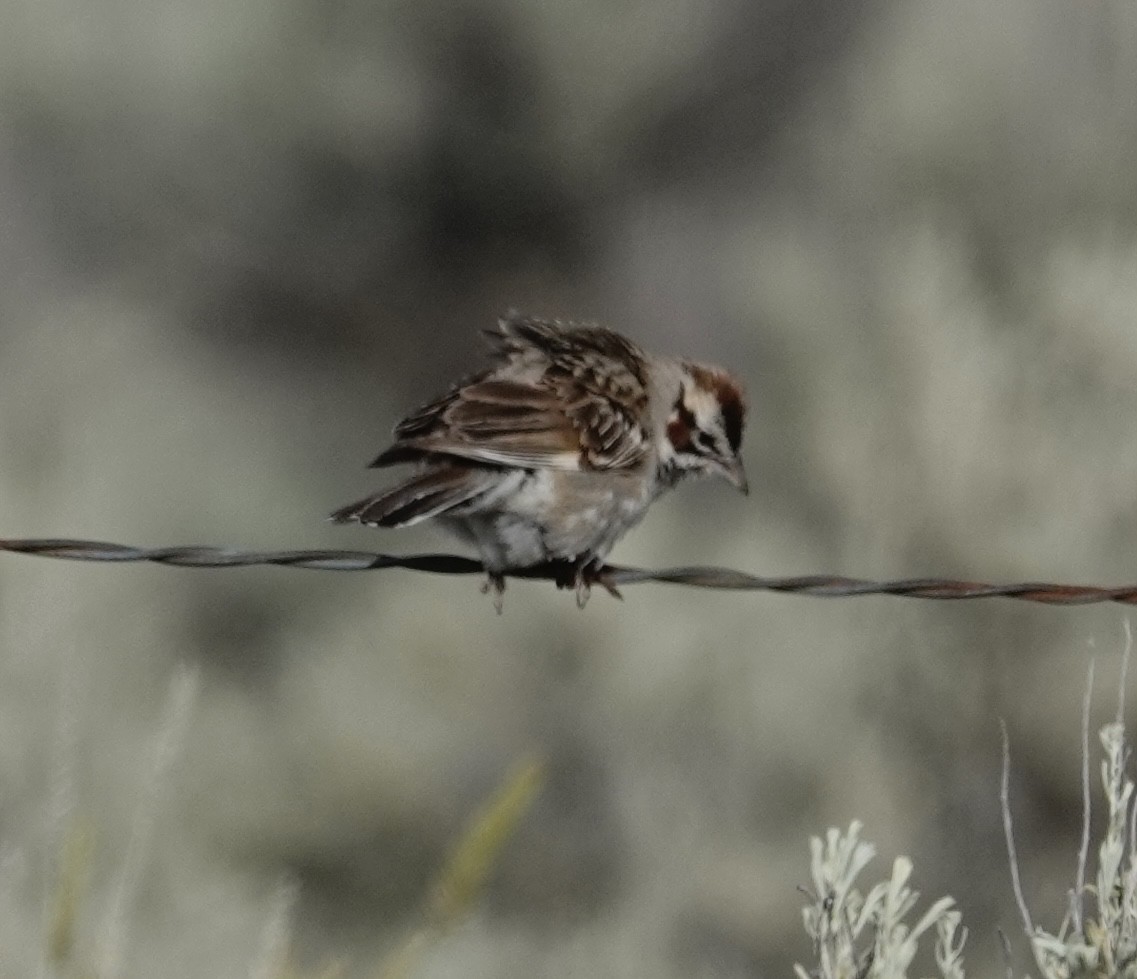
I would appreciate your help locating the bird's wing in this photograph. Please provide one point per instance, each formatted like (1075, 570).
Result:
(563, 398)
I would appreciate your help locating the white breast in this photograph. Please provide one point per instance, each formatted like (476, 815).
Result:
(554, 515)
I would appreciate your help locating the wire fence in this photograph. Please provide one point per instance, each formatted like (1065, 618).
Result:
(818, 586)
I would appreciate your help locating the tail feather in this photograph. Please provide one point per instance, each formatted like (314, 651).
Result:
(396, 454)
(426, 494)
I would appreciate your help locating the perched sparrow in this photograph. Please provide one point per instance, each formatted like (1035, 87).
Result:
(553, 453)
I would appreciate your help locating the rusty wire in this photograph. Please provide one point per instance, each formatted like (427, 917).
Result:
(818, 586)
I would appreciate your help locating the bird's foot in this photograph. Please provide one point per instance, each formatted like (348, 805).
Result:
(597, 574)
(581, 575)
(495, 585)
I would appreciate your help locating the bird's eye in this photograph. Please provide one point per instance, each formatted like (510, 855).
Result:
(705, 442)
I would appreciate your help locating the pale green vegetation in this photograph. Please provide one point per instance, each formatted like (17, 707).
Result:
(859, 935)
(868, 935)
(856, 933)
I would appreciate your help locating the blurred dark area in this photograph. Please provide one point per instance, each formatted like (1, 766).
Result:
(238, 242)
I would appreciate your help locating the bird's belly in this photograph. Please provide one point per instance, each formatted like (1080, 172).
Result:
(554, 515)
(504, 540)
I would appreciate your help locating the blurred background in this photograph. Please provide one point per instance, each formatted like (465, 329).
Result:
(239, 240)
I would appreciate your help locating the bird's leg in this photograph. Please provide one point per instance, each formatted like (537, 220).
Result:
(589, 571)
(580, 574)
(495, 585)
(571, 574)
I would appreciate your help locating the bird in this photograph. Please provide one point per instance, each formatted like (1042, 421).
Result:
(551, 454)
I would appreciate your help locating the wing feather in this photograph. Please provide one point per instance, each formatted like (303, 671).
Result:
(561, 397)
(426, 494)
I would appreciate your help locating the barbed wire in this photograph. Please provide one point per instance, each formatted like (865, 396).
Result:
(818, 586)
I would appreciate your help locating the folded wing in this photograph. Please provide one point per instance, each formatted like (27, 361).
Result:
(581, 404)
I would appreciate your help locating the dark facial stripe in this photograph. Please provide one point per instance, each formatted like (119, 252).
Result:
(681, 427)
(732, 421)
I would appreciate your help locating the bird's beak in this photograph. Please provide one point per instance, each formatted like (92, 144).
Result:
(734, 474)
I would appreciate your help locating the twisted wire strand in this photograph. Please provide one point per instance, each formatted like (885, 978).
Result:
(818, 586)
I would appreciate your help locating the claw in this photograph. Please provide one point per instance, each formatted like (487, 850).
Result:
(495, 585)
(607, 584)
(589, 573)
(583, 591)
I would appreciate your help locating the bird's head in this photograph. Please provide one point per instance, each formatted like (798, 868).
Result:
(703, 431)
